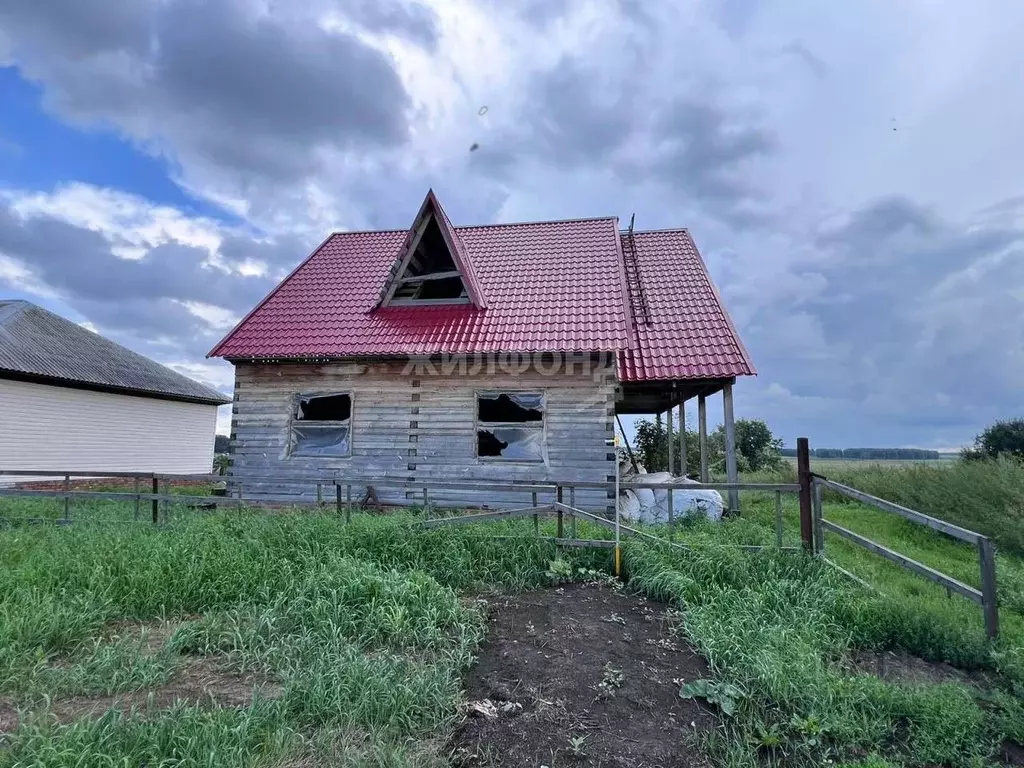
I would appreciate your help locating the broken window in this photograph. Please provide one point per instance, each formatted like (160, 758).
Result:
(321, 425)
(430, 273)
(510, 425)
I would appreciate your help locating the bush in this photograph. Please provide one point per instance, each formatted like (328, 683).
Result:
(1004, 438)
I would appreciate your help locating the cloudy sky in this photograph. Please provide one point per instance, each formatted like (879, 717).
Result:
(851, 172)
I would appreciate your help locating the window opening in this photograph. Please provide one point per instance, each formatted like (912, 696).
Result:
(321, 425)
(510, 426)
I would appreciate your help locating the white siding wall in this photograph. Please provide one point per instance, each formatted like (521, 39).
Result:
(45, 427)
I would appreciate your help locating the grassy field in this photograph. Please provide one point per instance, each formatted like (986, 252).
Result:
(985, 496)
(351, 641)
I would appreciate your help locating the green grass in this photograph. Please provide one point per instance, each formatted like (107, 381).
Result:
(361, 624)
(368, 627)
(984, 496)
(778, 628)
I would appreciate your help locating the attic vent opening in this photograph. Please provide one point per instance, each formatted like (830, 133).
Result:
(430, 274)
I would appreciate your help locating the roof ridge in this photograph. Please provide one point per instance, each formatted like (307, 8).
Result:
(655, 231)
(457, 227)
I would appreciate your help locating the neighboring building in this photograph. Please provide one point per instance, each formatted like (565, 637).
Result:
(488, 353)
(71, 400)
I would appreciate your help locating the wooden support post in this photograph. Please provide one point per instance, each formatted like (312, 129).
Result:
(819, 531)
(559, 532)
(348, 504)
(671, 469)
(682, 437)
(156, 501)
(731, 474)
(803, 476)
(989, 600)
(671, 441)
(702, 425)
(67, 497)
(778, 518)
(536, 517)
(426, 502)
(137, 500)
(337, 496)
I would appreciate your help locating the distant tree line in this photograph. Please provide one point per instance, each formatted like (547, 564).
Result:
(876, 454)
(221, 443)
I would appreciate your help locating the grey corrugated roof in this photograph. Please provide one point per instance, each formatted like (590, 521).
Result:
(37, 344)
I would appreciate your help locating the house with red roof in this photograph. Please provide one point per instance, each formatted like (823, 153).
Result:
(500, 353)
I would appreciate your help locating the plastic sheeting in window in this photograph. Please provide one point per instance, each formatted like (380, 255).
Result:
(512, 443)
(320, 441)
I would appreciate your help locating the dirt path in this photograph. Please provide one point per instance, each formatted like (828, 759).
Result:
(582, 676)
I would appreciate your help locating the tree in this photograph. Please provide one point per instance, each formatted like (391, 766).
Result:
(1004, 438)
(756, 447)
(756, 443)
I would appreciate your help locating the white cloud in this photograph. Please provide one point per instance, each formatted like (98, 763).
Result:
(131, 223)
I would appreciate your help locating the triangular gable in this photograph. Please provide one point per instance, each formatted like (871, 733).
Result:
(433, 266)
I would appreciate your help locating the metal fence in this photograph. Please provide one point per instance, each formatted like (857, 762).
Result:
(548, 499)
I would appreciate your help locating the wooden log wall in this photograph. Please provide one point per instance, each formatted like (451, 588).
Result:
(420, 424)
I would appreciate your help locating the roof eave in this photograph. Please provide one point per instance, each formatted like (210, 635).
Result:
(57, 381)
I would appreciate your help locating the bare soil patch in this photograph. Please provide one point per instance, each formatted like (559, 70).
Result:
(903, 667)
(200, 680)
(1012, 753)
(585, 676)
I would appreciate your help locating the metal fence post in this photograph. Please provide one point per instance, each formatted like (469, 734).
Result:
(156, 501)
(989, 601)
(559, 531)
(819, 533)
(137, 500)
(572, 503)
(803, 473)
(337, 494)
(536, 517)
(67, 497)
(778, 518)
(348, 506)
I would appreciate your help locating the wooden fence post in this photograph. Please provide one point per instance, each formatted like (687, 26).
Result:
(803, 474)
(156, 501)
(989, 601)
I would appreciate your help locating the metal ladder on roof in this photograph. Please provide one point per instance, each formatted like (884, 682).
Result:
(634, 284)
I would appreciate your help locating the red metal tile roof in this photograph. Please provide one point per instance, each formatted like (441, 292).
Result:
(549, 286)
(691, 336)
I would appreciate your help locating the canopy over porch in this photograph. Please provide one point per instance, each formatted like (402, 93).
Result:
(665, 396)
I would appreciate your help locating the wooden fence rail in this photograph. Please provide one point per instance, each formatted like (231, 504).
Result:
(986, 597)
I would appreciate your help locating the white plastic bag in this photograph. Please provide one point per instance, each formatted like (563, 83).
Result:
(653, 504)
